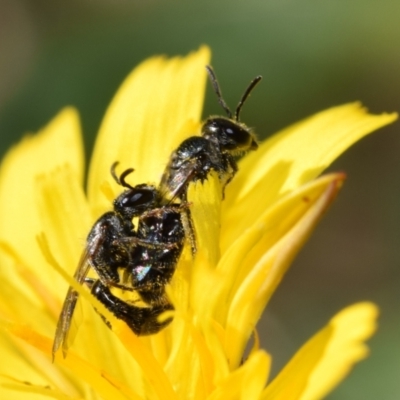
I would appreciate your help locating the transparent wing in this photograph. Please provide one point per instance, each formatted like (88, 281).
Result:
(174, 184)
(67, 312)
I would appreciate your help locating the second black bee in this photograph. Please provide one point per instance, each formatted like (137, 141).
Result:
(221, 140)
(141, 260)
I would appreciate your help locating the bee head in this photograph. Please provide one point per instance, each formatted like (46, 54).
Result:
(230, 134)
(136, 199)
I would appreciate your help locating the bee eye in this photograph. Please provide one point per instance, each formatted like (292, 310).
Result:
(230, 134)
(137, 197)
(135, 200)
(237, 137)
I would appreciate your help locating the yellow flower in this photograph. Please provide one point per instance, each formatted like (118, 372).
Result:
(245, 243)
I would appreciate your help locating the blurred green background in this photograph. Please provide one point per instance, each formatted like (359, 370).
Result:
(313, 55)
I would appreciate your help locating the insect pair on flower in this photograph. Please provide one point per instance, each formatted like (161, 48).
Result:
(142, 259)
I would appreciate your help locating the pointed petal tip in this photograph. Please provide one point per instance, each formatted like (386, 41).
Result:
(358, 106)
(333, 183)
(203, 51)
(66, 121)
(366, 313)
(328, 357)
(68, 111)
(308, 147)
(337, 178)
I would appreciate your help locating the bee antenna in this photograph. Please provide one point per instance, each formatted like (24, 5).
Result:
(246, 94)
(217, 90)
(113, 173)
(121, 179)
(123, 176)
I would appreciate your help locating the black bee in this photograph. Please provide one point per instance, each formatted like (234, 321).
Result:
(221, 140)
(141, 260)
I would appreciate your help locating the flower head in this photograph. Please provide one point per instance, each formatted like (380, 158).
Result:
(245, 244)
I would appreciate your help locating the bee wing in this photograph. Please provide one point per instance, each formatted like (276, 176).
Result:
(64, 321)
(175, 185)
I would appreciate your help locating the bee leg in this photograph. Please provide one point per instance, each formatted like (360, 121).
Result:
(188, 226)
(166, 208)
(141, 320)
(155, 297)
(89, 282)
(151, 244)
(230, 171)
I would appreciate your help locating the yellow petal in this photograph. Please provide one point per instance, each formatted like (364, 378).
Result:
(105, 385)
(27, 362)
(158, 105)
(65, 220)
(205, 206)
(278, 237)
(292, 157)
(19, 388)
(246, 382)
(57, 144)
(15, 363)
(327, 357)
(155, 376)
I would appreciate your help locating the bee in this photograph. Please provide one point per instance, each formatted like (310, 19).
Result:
(141, 260)
(222, 140)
